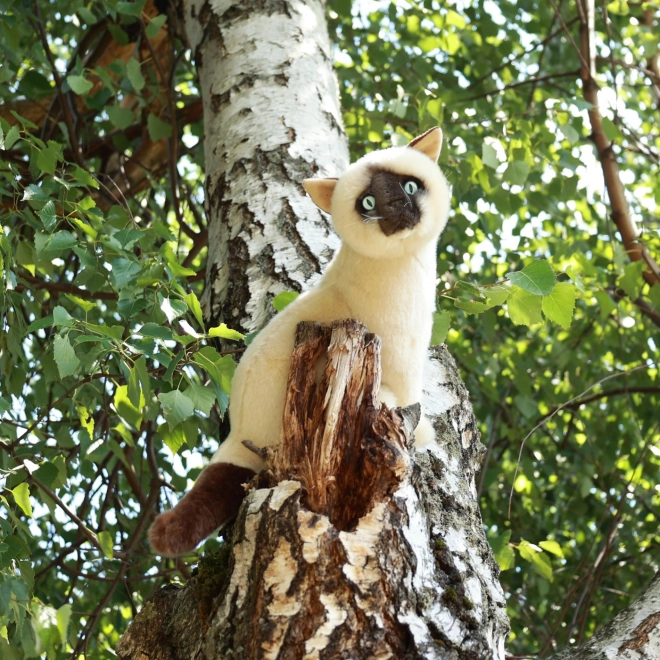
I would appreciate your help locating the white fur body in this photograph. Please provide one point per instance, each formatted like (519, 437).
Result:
(386, 282)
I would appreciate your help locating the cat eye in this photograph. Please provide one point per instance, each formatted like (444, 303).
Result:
(410, 187)
(369, 203)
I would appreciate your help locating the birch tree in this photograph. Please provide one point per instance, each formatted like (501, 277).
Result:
(152, 214)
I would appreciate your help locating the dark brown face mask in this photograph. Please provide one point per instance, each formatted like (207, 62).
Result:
(392, 200)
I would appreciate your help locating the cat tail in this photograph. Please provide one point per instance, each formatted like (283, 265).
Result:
(213, 500)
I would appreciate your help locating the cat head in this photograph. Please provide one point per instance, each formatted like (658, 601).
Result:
(390, 202)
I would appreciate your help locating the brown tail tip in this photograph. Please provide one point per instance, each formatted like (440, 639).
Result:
(214, 500)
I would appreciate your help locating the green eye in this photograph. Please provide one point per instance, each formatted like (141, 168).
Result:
(369, 203)
(410, 187)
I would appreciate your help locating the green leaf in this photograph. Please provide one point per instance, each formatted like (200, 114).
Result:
(62, 318)
(60, 464)
(219, 367)
(154, 26)
(125, 408)
(537, 278)
(140, 367)
(131, 8)
(107, 545)
(469, 289)
(631, 281)
(654, 296)
(158, 129)
(115, 332)
(127, 237)
(47, 474)
(124, 272)
(63, 616)
(22, 496)
(516, 172)
(4, 405)
(569, 133)
(282, 300)
(35, 193)
(527, 406)
(48, 216)
(524, 307)
(489, 156)
(542, 566)
(156, 331)
(225, 333)
(38, 324)
(84, 178)
(472, 306)
(131, 307)
(55, 244)
(559, 304)
(47, 160)
(79, 85)
(552, 547)
(250, 337)
(172, 307)
(502, 551)
(202, 397)
(174, 438)
(537, 557)
(611, 130)
(496, 295)
(81, 302)
(134, 388)
(176, 407)
(606, 304)
(195, 308)
(65, 356)
(13, 134)
(120, 118)
(135, 74)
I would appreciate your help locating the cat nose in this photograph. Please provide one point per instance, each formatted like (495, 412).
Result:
(395, 203)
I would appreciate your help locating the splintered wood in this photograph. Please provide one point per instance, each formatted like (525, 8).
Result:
(347, 451)
(347, 552)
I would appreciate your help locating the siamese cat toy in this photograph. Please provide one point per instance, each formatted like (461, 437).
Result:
(389, 209)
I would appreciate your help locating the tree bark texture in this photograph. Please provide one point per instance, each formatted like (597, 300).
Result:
(365, 549)
(634, 634)
(271, 118)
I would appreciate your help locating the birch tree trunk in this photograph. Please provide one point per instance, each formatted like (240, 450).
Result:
(351, 549)
(412, 575)
(271, 119)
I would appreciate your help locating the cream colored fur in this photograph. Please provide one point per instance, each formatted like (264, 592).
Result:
(386, 282)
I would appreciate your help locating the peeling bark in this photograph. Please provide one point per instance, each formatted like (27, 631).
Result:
(272, 119)
(411, 577)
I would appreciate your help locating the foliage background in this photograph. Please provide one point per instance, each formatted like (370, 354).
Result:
(103, 351)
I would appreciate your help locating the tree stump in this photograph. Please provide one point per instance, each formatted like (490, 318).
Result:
(352, 544)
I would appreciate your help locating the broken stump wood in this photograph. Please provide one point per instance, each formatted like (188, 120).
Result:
(352, 544)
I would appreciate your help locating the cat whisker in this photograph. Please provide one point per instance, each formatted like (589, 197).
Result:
(372, 218)
(407, 196)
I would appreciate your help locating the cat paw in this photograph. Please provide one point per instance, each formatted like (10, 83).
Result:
(213, 500)
(424, 433)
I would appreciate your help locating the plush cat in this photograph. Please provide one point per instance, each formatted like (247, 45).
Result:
(389, 209)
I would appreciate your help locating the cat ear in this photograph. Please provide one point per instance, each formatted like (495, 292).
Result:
(429, 143)
(320, 190)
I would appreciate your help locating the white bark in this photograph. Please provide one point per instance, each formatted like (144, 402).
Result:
(272, 118)
(634, 634)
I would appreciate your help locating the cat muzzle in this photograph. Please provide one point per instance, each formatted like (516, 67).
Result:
(400, 219)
